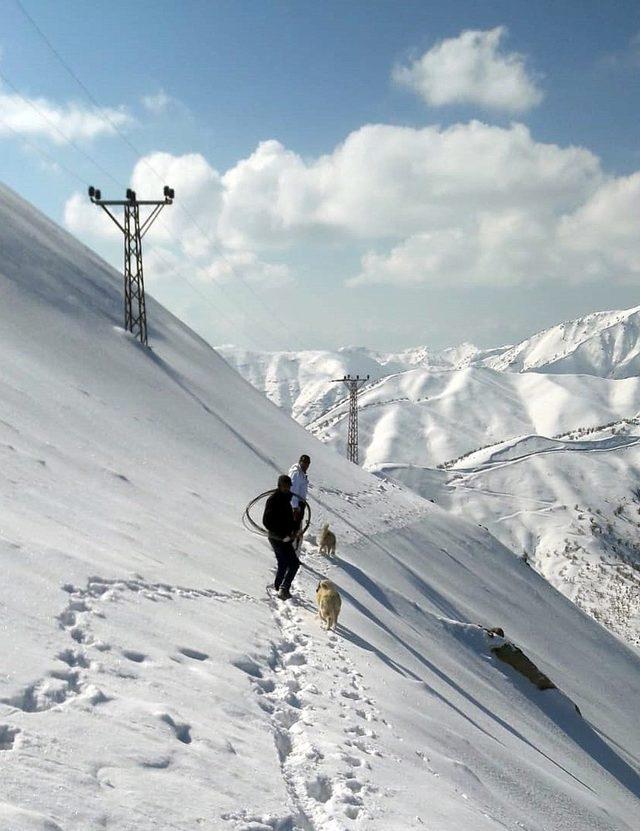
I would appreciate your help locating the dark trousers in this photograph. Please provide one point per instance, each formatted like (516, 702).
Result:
(288, 564)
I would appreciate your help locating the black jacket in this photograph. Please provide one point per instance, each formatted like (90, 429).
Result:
(278, 515)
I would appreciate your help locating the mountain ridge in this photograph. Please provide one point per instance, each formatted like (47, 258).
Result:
(149, 680)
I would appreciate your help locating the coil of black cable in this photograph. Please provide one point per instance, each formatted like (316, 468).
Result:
(256, 528)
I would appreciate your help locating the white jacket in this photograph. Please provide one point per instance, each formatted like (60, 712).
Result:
(299, 485)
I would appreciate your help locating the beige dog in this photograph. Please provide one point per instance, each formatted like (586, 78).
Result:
(327, 541)
(329, 604)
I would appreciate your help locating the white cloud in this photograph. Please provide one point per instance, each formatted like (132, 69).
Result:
(471, 204)
(158, 103)
(249, 267)
(162, 264)
(598, 241)
(185, 237)
(40, 117)
(504, 248)
(603, 233)
(85, 220)
(472, 69)
(193, 218)
(190, 223)
(390, 182)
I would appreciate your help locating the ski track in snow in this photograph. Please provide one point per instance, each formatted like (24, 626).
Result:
(305, 681)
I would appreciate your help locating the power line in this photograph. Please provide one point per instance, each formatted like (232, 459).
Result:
(182, 272)
(79, 178)
(55, 127)
(135, 305)
(47, 156)
(262, 305)
(353, 385)
(65, 138)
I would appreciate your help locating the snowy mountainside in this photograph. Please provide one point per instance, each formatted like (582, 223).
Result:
(606, 344)
(569, 507)
(148, 681)
(426, 418)
(603, 344)
(302, 383)
(562, 382)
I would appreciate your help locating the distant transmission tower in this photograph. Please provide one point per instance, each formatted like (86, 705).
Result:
(135, 310)
(353, 385)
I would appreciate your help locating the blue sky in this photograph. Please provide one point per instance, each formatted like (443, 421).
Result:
(327, 260)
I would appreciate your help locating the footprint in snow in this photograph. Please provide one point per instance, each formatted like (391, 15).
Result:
(132, 655)
(8, 736)
(320, 788)
(181, 730)
(195, 654)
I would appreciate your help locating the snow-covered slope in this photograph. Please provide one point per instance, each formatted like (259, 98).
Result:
(603, 344)
(425, 417)
(606, 344)
(427, 409)
(571, 508)
(148, 681)
(303, 383)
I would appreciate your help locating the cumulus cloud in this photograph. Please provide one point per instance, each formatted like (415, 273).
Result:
(385, 181)
(40, 117)
(602, 234)
(505, 248)
(470, 204)
(192, 219)
(472, 69)
(185, 236)
(597, 241)
(81, 217)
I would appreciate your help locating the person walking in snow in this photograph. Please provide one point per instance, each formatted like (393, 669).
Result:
(299, 488)
(280, 524)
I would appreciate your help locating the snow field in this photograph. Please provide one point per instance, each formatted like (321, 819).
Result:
(427, 418)
(324, 762)
(148, 681)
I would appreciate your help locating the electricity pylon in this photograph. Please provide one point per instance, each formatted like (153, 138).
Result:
(353, 385)
(135, 309)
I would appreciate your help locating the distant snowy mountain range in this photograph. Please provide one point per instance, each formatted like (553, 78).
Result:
(516, 415)
(149, 679)
(604, 344)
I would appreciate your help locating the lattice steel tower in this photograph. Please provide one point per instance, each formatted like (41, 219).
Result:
(135, 310)
(353, 385)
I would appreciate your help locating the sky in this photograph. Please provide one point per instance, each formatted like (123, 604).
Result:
(346, 173)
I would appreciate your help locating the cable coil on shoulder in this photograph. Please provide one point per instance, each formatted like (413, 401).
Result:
(251, 525)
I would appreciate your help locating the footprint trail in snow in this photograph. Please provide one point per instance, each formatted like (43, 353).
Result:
(323, 724)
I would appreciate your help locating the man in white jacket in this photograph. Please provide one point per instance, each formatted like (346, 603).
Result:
(299, 488)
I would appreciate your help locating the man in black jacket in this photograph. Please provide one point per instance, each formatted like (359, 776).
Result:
(279, 522)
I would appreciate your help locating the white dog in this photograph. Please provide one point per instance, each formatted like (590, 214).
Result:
(327, 541)
(329, 604)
